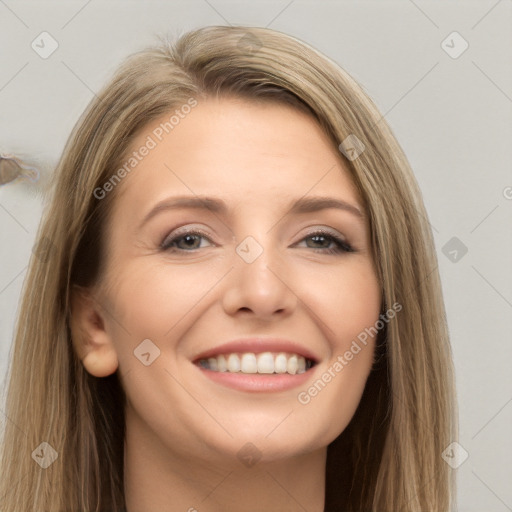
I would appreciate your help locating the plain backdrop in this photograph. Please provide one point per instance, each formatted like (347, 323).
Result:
(450, 111)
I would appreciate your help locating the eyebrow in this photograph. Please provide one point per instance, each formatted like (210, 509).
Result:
(302, 205)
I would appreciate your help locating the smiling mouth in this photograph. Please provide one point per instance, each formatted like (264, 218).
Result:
(264, 363)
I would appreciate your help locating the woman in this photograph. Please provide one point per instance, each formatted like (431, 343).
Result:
(296, 358)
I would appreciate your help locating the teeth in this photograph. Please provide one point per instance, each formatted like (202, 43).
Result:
(222, 364)
(293, 365)
(249, 364)
(280, 363)
(264, 363)
(233, 363)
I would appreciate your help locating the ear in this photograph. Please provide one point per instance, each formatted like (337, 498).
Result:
(91, 340)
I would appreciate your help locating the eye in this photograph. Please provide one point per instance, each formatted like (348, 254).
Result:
(327, 238)
(188, 237)
(191, 240)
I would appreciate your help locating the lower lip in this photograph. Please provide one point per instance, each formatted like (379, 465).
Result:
(257, 382)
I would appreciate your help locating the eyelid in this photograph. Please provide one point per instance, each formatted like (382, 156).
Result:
(311, 230)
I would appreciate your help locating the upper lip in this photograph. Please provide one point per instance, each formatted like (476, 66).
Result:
(257, 346)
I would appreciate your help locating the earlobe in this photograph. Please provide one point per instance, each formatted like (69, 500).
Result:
(101, 362)
(89, 335)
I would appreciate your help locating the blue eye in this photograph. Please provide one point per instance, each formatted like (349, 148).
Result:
(190, 239)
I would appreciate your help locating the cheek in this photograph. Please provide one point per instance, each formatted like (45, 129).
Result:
(350, 314)
(153, 301)
(351, 303)
(355, 321)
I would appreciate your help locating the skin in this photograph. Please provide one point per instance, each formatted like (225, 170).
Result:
(184, 431)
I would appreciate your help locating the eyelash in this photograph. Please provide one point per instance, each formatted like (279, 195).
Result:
(341, 245)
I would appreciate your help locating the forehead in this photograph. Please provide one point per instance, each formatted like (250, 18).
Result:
(236, 149)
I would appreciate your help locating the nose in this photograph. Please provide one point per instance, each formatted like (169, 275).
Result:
(261, 287)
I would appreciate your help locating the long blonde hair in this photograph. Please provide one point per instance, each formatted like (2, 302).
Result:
(388, 459)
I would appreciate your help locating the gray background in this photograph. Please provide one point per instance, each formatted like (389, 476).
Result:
(451, 115)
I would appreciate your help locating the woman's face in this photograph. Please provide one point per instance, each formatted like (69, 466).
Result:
(185, 280)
